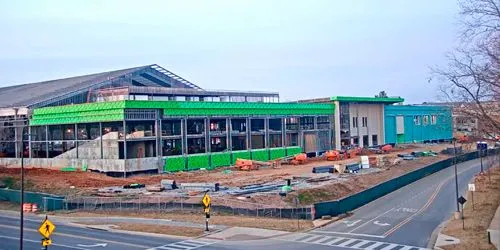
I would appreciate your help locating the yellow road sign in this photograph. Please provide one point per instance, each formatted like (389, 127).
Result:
(46, 242)
(206, 200)
(46, 228)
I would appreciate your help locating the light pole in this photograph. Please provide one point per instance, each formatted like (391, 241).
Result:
(456, 174)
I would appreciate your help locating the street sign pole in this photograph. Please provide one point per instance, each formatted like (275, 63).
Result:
(462, 200)
(456, 177)
(463, 220)
(207, 215)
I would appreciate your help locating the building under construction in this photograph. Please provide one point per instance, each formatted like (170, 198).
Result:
(148, 119)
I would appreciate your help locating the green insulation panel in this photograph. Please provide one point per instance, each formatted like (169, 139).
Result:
(198, 161)
(220, 160)
(240, 155)
(276, 153)
(175, 163)
(114, 111)
(260, 154)
(293, 151)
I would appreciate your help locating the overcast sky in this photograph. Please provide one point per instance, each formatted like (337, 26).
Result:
(301, 49)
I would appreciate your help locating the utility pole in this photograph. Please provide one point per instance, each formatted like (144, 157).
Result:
(456, 174)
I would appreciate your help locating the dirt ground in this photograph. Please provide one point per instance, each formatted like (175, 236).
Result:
(486, 201)
(216, 219)
(87, 183)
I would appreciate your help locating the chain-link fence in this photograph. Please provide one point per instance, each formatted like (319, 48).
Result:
(160, 204)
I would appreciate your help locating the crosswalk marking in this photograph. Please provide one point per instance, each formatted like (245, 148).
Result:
(185, 245)
(351, 243)
(345, 243)
(371, 247)
(389, 247)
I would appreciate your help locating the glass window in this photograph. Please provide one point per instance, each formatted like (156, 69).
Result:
(307, 123)
(38, 150)
(416, 120)
(139, 129)
(323, 122)
(433, 119)
(365, 121)
(38, 133)
(355, 122)
(374, 140)
(426, 120)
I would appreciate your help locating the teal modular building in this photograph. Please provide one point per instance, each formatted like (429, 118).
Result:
(417, 124)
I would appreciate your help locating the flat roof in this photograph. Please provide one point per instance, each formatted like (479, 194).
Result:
(367, 99)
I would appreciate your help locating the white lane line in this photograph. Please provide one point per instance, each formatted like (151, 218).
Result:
(192, 244)
(39, 241)
(179, 245)
(165, 247)
(187, 245)
(345, 243)
(372, 219)
(389, 247)
(353, 234)
(406, 248)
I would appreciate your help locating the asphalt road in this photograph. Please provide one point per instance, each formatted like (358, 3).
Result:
(402, 220)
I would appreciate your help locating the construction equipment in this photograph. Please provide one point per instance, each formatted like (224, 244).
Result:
(333, 155)
(297, 159)
(247, 165)
(386, 149)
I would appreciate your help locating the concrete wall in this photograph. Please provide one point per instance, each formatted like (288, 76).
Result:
(92, 149)
(375, 126)
(101, 165)
(143, 164)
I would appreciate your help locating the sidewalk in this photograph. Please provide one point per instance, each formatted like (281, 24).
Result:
(494, 229)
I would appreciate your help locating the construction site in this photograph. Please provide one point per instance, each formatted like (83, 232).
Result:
(147, 132)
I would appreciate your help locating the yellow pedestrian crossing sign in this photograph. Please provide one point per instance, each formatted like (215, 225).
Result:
(46, 228)
(206, 200)
(46, 242)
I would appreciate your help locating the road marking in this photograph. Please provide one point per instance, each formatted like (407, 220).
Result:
(94, 245)
(82, 237)
(185, 245)
(429, 202)
(381, 224)
(39, 241)
(350, 224)
(371, 220)
(353, 234)
(345, 242)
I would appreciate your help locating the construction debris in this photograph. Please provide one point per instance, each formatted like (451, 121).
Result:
(168, 184)
(324, 169)
(214, 187)
(134, 186)
(154, 188)
(352, 168)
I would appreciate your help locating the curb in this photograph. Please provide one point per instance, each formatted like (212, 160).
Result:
(334, 219)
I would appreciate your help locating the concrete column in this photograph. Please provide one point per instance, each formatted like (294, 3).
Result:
(207, 136)
(228, 135)
(159, 147)
(124, 139)
(16, 143)
(76, 140)
(184, 135)
(315, 118)
(248, 134)
(29, 141)
(283, 132)
(100, 138)
(266, 132)
(336, 120)
(47, 140)
(158, 134)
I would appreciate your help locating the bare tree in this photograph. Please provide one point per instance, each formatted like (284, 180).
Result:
(472, 76)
